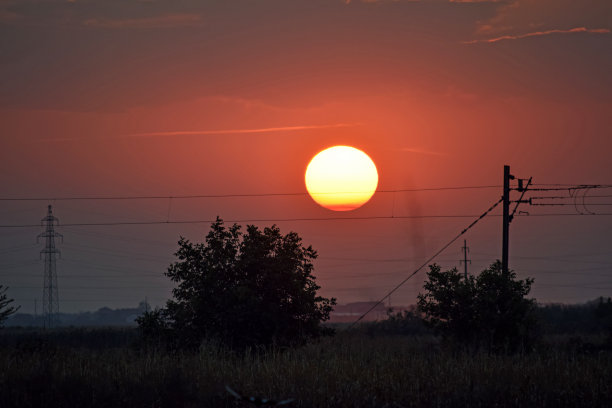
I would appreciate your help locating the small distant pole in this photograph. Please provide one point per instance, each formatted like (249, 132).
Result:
(465, 261)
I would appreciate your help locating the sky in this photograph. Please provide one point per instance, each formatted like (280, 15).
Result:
(123, 98)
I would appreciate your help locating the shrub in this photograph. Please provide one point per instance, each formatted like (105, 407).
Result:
(487, 310)
(245, 290)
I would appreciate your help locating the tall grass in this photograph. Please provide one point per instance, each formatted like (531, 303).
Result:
(349, 370)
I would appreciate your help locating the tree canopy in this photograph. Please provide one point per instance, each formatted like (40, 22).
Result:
(487, 310)
(244, 289)
(5, 309)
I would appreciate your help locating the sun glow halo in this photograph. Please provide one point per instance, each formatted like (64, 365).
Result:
(341, 178)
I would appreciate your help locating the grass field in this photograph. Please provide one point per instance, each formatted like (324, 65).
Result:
(82, 368)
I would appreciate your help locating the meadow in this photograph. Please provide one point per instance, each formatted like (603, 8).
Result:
(359, 368)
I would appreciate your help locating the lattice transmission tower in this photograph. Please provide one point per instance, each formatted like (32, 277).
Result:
(50, 296)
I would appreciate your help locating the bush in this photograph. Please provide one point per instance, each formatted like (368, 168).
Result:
(488, 310)
(244, 290)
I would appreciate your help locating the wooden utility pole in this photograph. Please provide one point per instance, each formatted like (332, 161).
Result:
(506, 218)
(465, 260)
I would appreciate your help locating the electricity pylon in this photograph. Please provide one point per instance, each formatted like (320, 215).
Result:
(50, 296)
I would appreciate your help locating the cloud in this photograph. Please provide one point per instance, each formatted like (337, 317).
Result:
(526, 16)
(218, 132)
(422, 151)
(541, 33)
(243, 131)
(99, 13)
(163, 21)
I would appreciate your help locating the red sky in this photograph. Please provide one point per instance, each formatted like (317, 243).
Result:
(105, 98)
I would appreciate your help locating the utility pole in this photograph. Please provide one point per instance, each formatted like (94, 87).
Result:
(506, 218)
(465, 261)
(50, 296)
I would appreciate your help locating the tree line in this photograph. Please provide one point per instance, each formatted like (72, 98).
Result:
(256, 288)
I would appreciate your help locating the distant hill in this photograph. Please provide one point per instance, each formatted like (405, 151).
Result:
(104, 316)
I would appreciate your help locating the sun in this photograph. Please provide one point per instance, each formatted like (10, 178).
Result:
(341, 178)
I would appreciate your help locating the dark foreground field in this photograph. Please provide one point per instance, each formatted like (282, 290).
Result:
(80, 368)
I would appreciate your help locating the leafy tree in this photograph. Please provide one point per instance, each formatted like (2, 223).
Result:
(245, 290)
(487, 310)
(5, 309)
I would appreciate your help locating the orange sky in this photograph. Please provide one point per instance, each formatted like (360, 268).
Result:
(172, 98)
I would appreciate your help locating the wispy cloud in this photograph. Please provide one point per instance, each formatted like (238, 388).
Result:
(241, 131)
(163, 21)
(541, 33)
(421, 151)
(216, 132)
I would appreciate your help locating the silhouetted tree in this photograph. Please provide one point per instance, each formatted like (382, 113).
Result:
(5, 309)
(487, 310)
(245, 290)
(603, 312)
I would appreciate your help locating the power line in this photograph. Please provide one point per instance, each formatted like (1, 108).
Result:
(556, 187)
(564, 214)
(117, 237)
(97, 300)
(557, 258)
(569, 197)
(565, 204)
(466, 229)
(17, 248)
(554, 285)
(95, 224)
(117, 253)
(94, 276)
(238, 195)
(376, 217)
(96, 287)
(572, 187)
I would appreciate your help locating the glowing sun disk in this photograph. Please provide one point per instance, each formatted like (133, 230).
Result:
(341, 178)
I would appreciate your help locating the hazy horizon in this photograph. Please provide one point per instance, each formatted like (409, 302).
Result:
(127, 99)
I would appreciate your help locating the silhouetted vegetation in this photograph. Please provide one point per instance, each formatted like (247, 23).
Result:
(594, 317)
(604, 315)
(488, 310)
(237, 292)
(5, 309)
(243, 290)
(347, 370)
(37, 339)
(405, 323)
